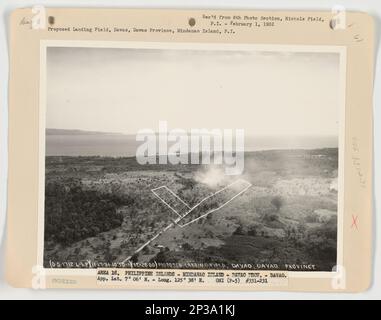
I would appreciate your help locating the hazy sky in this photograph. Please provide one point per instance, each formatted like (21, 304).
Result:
(124, 90)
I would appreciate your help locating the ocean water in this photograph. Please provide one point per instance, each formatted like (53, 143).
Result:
(120, 145)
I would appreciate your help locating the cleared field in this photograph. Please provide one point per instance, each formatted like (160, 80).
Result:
(214, 202)
(172, 201)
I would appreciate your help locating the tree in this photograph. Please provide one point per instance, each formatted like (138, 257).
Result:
(160, 257)
(146, 250)
(187, 246)
(252, 232)
(277, 202)
(135, 257)
(238, 231)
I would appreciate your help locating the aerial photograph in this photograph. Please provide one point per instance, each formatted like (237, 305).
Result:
(230, 161)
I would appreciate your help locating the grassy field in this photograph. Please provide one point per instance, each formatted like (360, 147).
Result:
(101, 209)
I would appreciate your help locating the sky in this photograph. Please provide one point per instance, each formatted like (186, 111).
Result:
(126, 90)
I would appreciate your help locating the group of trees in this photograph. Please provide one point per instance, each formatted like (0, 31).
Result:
(73, 214)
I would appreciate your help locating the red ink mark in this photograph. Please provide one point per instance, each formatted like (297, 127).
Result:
(354, 222)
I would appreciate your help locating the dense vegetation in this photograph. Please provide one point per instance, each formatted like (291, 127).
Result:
(300, 246)
(73, 214)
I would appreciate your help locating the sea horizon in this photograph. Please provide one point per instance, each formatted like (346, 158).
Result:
(62, 142)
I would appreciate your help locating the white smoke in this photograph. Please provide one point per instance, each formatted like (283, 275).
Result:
(213, 176)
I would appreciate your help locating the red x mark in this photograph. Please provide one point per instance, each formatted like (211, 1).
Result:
(354, 222)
